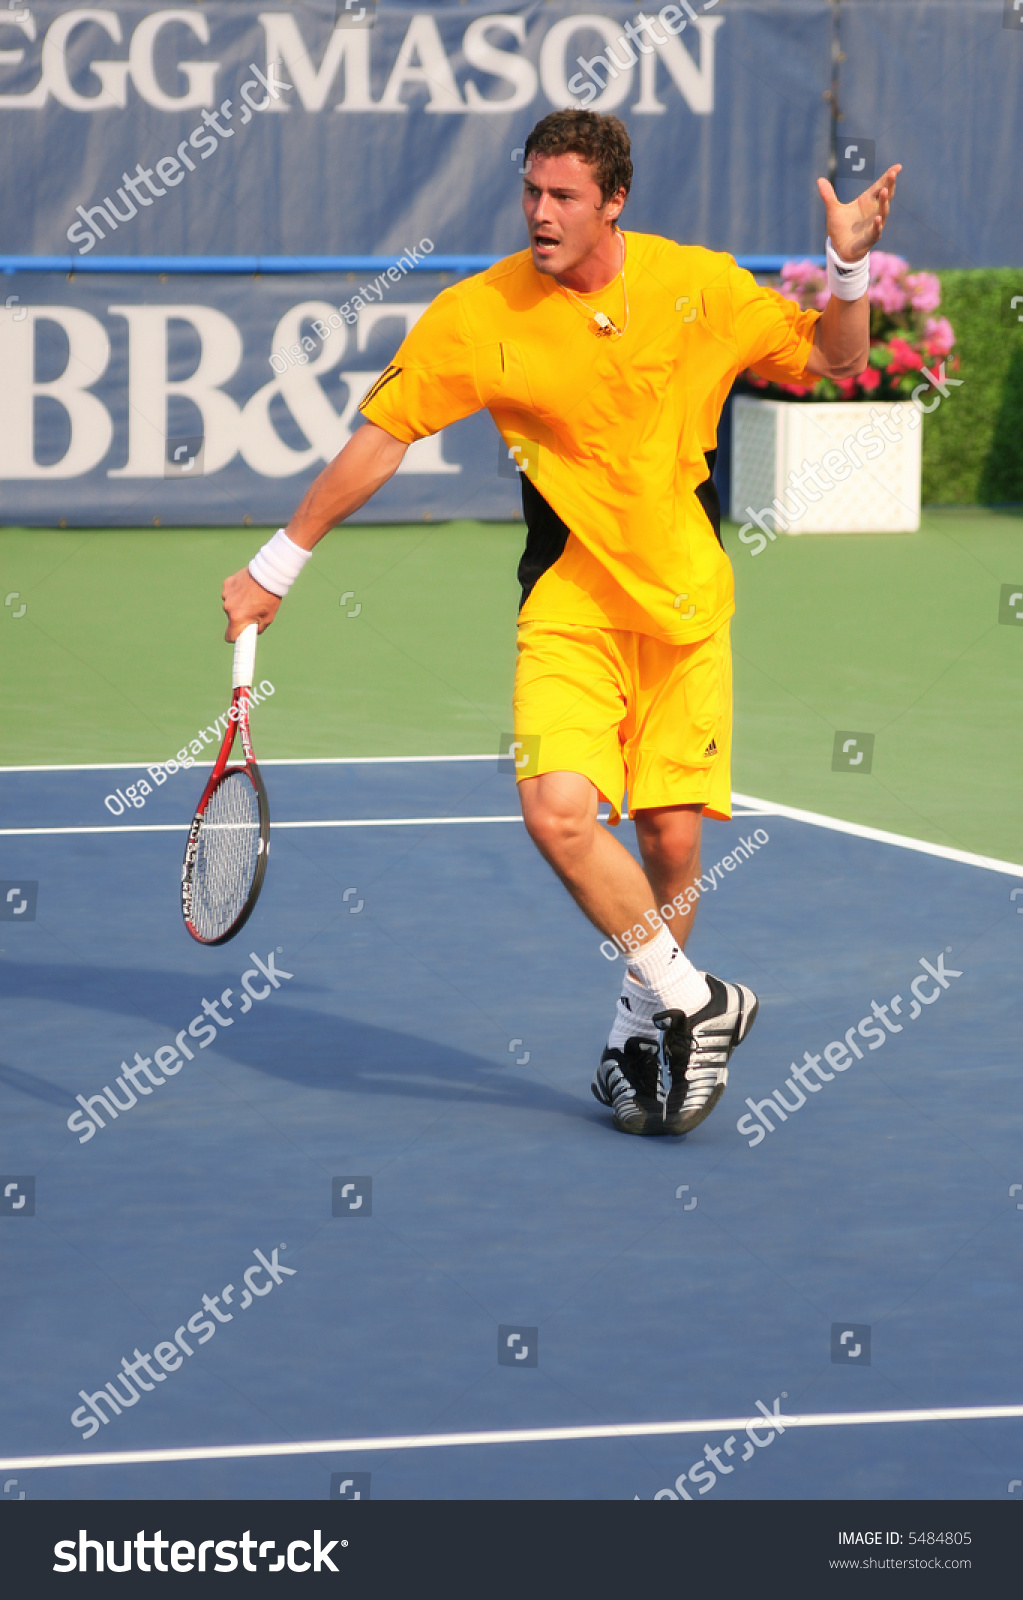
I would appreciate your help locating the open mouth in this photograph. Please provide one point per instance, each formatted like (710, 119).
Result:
(544, 243)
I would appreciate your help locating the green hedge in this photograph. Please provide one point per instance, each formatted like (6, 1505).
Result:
(973, 442)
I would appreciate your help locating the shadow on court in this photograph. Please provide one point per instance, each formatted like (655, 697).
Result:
(315, 1049)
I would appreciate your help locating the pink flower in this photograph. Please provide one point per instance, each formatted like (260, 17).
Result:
(924, 291)
(820, 300)
(869, 380)
(847, 388)
(801, 281)
(904, 358)
(889, 294)
(883, 265)
(938, 336)
(801, 272)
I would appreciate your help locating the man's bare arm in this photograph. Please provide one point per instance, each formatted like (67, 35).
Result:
(368, 460)
(841, 339)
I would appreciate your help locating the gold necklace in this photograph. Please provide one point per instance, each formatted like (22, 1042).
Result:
(604, 327)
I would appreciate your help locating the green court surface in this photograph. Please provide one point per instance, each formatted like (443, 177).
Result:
(401, 641)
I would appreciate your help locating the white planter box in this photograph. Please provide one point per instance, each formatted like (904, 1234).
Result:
(874, 480)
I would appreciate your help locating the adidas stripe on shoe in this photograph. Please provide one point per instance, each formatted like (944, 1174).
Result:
(629, 1081)
(695, 1052)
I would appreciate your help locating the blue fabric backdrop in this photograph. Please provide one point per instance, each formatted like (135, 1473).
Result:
(333, 127)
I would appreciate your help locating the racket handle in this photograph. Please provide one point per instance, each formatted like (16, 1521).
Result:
(244, 669)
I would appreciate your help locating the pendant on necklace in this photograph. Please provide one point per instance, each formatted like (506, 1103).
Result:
(604, 327)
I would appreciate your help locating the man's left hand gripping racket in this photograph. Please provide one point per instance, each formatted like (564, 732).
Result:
(225, 857)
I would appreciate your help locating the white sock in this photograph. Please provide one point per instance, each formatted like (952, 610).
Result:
(633, 1014)
(669, 974)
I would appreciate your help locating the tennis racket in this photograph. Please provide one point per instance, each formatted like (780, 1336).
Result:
(228, 842)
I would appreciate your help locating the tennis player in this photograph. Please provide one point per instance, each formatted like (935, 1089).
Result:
(604, 358)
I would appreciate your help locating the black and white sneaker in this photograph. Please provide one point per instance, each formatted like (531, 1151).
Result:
(629, 1081)
(695, 1052)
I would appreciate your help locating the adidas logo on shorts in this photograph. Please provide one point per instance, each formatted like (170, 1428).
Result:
(712, 748)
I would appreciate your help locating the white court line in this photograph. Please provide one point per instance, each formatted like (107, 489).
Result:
(435, 1441)
(859, 831)
(756, 807)
(271, 761)
(344, 822)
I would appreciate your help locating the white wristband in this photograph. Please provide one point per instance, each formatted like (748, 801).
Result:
(278, 564)
(849, 280)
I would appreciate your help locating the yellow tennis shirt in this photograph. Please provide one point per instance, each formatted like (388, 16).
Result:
(612, 432)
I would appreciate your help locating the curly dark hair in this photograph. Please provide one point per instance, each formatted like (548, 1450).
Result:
(602, 141)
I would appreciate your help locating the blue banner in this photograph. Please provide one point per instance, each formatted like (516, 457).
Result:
(207, 400)
(335, 127)
(343, 128)
(938, 85)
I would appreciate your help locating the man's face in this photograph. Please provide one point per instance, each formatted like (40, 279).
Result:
(563, 208)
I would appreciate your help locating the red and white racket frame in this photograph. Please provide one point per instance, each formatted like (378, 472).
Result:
(242, 674)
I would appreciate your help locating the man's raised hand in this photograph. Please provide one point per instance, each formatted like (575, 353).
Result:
(246, 601)
(855, 228)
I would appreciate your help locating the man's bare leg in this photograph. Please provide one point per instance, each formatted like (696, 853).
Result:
(609, 886)
(605, 881)
(669, 842)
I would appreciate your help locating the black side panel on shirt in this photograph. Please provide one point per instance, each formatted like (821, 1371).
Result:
(547, 535)
(707, 494)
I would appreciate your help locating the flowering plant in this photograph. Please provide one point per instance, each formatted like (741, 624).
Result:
(905, 335)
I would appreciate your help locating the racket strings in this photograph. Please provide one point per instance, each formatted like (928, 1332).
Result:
(227, 855)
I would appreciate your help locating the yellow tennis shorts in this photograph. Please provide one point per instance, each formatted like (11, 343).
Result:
(629, 712)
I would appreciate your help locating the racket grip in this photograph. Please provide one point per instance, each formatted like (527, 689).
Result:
(244, 668)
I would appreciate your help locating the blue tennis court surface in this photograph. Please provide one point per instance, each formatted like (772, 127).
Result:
(444, 1008)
